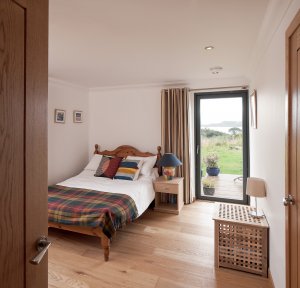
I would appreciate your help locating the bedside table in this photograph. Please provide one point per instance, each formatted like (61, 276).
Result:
(168, 195)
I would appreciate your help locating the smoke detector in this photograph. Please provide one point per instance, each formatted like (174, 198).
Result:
(216, 69)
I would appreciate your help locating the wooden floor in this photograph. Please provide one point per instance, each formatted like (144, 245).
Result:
(157, 250)
(228, 186)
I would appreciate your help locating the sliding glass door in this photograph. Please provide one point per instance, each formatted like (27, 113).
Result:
(221, 124)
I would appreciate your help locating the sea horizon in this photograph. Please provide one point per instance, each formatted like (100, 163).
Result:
(221, 129)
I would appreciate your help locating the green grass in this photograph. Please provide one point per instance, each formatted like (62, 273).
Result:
(229, 151)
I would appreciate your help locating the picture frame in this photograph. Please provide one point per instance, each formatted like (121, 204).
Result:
(59, 116)
(77, 116)
(253, 109)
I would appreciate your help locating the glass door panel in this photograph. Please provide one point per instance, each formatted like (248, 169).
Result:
(222, 146)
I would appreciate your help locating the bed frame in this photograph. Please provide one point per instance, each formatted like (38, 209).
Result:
(121, 151)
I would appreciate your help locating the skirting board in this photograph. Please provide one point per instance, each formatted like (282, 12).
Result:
(271, 278)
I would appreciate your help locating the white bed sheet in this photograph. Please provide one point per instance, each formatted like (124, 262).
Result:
(141, 190)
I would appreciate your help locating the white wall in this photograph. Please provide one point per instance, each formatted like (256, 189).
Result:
(67, 143)
(132, 115)
(267, 149)
(128, 116)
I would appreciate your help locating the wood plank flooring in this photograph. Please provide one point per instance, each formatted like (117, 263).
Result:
(158, 250)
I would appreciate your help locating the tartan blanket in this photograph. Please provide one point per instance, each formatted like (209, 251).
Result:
(84, 207)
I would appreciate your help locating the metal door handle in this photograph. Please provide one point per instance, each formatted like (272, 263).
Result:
(42, 246)
(289, 200)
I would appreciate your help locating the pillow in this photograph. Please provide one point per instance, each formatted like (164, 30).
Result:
(148, 163)
(108, 167)
(94, 163)
(129, 169)
(154, 173)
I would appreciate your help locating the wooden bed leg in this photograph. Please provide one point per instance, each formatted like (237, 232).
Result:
(105, 243)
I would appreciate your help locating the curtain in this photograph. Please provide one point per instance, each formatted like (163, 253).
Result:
(175, 127)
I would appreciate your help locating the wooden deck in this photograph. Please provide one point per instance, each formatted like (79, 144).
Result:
(228, 186)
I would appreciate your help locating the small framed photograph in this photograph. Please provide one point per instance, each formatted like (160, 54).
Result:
(77, 116)
(59, 116)
(253, 109)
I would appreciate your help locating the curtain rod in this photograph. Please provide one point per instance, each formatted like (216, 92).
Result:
(217, 88)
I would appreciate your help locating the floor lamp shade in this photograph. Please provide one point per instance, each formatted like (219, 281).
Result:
(169, 161)
(256, 187)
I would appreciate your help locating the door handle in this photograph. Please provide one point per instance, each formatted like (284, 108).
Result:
(198, 148)
(42, 246)
(289, 200)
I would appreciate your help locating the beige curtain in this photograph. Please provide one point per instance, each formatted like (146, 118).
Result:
(175, 132)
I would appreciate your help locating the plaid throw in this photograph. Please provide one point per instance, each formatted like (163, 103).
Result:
(83, 207)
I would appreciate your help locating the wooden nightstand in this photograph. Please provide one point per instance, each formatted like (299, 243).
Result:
(168, 195)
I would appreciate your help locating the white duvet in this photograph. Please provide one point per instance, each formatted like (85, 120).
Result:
(141, 190)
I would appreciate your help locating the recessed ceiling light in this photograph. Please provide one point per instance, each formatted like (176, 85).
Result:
(209, 47)
(216, 69)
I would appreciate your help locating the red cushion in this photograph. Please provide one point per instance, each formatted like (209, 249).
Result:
(108, 167)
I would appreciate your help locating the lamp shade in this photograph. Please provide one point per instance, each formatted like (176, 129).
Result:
(256, 187)
(169, 160)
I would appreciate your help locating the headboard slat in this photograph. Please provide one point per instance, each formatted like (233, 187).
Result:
(126, 150)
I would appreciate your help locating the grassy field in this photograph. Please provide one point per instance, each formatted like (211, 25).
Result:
(230, 152)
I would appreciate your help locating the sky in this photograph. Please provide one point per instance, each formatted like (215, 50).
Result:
(218, 110)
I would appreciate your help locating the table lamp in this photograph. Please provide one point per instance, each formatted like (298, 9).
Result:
(169, 162)
(256, 187)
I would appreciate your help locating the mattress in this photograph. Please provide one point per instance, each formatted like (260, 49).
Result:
(141, 190)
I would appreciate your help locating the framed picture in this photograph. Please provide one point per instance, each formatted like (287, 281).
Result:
(77, 116)
(253, 109)
(59, 116)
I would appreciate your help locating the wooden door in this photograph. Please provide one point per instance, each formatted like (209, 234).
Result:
(293, 155)
(23, 140)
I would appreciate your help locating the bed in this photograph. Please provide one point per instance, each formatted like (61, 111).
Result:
(99, 206)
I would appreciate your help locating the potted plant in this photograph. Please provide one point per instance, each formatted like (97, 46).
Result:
(208, 186)
(211, 161)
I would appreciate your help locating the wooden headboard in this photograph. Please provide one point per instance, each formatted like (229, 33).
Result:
(126, 150)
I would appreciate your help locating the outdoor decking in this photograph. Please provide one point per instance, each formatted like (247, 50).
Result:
(227, 187)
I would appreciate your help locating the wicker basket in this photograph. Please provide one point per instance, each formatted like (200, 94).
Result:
(241, 241)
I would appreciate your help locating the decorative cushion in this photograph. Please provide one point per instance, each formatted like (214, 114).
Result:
(94, 163)
(148, 163)
(108, 167)
(129, 170)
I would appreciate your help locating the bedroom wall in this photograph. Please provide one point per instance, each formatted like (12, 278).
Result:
(268, 141)
(67, 143)
(123, 115)
(132, 114)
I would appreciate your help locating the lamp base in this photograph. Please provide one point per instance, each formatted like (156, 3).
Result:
(169, 173)
(168, 177)
(256, 214)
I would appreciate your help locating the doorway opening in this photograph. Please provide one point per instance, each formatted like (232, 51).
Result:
(222, 146)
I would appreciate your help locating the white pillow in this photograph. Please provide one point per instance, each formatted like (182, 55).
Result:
(154, 173)
(94, 163)
(148, 163)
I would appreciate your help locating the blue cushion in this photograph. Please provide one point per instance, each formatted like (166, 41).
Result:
(129, 170)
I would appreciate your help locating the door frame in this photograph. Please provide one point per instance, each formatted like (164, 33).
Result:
(290, 211)
(244, 94)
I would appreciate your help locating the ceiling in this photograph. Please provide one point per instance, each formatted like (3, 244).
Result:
(99, 43)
